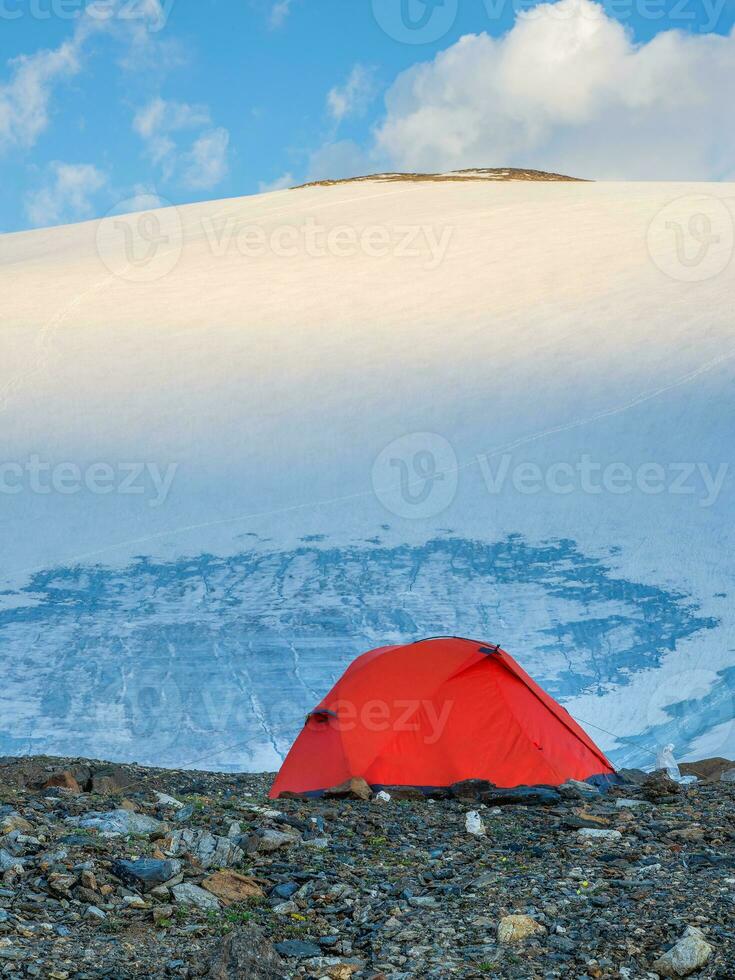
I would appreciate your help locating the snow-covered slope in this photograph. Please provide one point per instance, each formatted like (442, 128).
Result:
(245, 440)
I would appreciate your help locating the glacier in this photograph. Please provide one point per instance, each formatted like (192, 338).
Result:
(226, 473)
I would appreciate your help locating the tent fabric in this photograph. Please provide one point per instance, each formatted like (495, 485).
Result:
(435, 712)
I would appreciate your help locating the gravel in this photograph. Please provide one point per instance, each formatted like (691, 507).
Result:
(574, 884)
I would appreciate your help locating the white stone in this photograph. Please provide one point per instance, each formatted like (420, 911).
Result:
(474, 825)
(592, 834)
(165, 800)
(689, 954)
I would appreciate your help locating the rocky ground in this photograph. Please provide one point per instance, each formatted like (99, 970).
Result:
(120, 871)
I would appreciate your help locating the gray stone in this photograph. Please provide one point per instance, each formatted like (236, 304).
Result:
(297, 949)
(574, 789)
(523, 795)
(118, 822)
(274, 840)
(188, 894)
(8, 861)
(246, 953)
(593, 834)
(205, 849)
(146, 873)
(689, 954)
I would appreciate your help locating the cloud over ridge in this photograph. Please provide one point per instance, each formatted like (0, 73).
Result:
(568, 89)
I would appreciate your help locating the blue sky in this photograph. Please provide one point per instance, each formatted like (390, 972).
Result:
(123, 99)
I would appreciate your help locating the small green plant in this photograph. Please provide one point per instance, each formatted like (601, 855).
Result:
(238, 917)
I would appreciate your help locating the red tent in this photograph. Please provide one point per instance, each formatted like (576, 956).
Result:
(435, 712)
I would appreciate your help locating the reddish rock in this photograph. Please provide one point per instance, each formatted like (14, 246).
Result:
(231, 887)
(62, 780)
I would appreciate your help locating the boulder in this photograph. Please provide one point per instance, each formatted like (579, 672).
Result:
(353, 789)
(118, 822)
(516, 928)
(690, 953)
(13, 821)
(63, 780)
(188, 894)
(470, 789)
(146, 873)
(593, 835)
(110, 780)
(523, 795)
(246, 953)
(231, 887)
(204, 848)
(269, 840)
(297, 949)
(660, 786)
(573, 789)
(165, 800)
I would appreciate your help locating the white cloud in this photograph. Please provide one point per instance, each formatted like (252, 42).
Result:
(66, 195)
(279, 13)
(25, 99)
(279, 184)
(156, 121)
(199, 163)
(353, 97)
(567, 89)
(206, 162)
